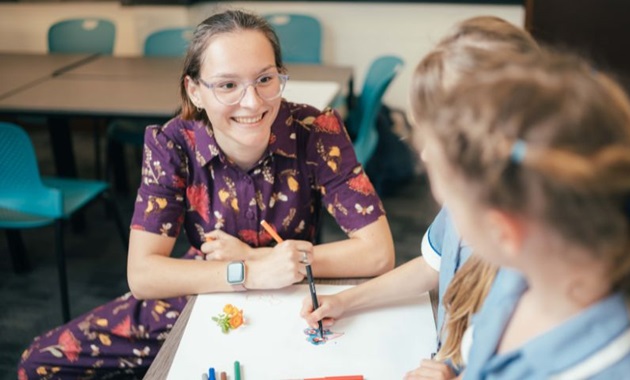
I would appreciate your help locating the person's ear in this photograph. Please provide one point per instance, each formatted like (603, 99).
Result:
(507, 231)
(193, 90)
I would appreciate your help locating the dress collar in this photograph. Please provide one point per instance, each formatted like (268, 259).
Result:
(282, 140)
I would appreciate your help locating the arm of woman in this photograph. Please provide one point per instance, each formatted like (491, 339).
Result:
(369, 251)
(152, 273)
(350, 198)
(410, 279)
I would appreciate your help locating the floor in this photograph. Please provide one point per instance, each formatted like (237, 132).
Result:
(96, 259)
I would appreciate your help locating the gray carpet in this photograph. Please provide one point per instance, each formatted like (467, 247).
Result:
(96, 260)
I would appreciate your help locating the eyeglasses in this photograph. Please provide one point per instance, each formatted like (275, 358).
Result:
(231, 92)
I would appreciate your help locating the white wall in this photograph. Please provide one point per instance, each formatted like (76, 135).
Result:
(24, 27)
(354, 34)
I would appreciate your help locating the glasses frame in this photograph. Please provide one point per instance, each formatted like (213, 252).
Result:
(283, 82)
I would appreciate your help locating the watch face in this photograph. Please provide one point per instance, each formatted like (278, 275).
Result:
(235, 273)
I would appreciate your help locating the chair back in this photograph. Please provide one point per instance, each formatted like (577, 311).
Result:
(378, 78)
(300, 37)
(82, 35)
(171, 42)
(21, 187)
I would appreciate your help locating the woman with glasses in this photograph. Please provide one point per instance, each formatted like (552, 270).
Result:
(237, 154)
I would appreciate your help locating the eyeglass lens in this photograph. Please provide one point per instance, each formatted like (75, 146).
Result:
(268, 87)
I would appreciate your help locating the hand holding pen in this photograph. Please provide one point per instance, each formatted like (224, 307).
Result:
(309, 272)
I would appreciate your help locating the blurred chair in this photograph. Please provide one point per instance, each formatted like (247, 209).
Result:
(362, 119)
(82, 35)
(300, 37)
(170, 42)
(30, 201)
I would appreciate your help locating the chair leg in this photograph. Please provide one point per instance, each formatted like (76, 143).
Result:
(19, 257)
(116, 166)
(97, 149)
(122, 230)
(61, 267)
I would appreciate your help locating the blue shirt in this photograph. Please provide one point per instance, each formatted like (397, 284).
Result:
(444, 251)
(551, 353)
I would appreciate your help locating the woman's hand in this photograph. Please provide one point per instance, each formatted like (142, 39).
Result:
(222, 246)
(431, 369)
(330, 308)
(283, 266)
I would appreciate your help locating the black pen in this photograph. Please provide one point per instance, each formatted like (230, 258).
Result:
(311, 286)
(309, 272)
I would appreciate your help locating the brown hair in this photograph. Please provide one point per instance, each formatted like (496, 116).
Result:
(470, 47)
(490, 33)
(574, 175)
(226, 22)
(463, 297)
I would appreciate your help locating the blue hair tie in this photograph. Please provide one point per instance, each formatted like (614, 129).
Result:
(518, 151)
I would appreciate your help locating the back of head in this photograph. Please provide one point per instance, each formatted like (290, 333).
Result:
(489, 33)
(230, 21)
(571, 171)
(471, 46)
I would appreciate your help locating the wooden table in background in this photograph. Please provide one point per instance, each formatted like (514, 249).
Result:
(62, 87)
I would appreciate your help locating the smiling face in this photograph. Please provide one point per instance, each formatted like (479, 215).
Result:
(241, 56)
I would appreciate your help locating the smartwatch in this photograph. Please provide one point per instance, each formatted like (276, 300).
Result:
(236, 275)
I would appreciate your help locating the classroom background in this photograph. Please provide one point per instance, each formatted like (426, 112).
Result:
(354, 33)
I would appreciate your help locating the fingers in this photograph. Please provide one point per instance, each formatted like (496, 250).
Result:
(307, 307)
(215, 235)
(431, 369)
(323, 313)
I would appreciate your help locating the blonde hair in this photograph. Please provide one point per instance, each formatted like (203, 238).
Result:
(463, 297)
(574, 177)
(472, 46)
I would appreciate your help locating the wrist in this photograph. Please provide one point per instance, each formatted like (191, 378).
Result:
(236, 272)
(257, 253)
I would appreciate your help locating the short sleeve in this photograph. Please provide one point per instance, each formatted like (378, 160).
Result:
(347, 192)
(432, 240)
(159, 205)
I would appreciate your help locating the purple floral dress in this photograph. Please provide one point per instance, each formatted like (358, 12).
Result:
(188, 182)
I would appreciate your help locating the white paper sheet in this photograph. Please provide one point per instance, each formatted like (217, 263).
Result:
(379, 344)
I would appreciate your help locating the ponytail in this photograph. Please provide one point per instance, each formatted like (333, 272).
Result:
(463, 297)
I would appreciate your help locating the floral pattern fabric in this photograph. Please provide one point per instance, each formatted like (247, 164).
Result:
(188, 182)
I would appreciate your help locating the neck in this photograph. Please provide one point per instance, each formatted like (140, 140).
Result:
(247, 159)
(243, 156)
(565, 282)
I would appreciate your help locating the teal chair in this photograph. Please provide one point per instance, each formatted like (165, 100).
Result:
(82, 35)
(362, 119)
(170, 42)
(30, 201)
(300, 37)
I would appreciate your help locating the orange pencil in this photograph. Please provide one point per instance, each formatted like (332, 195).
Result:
(223, 376)
(271, 231)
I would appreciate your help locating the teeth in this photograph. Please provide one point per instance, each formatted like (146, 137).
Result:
(248, 120)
